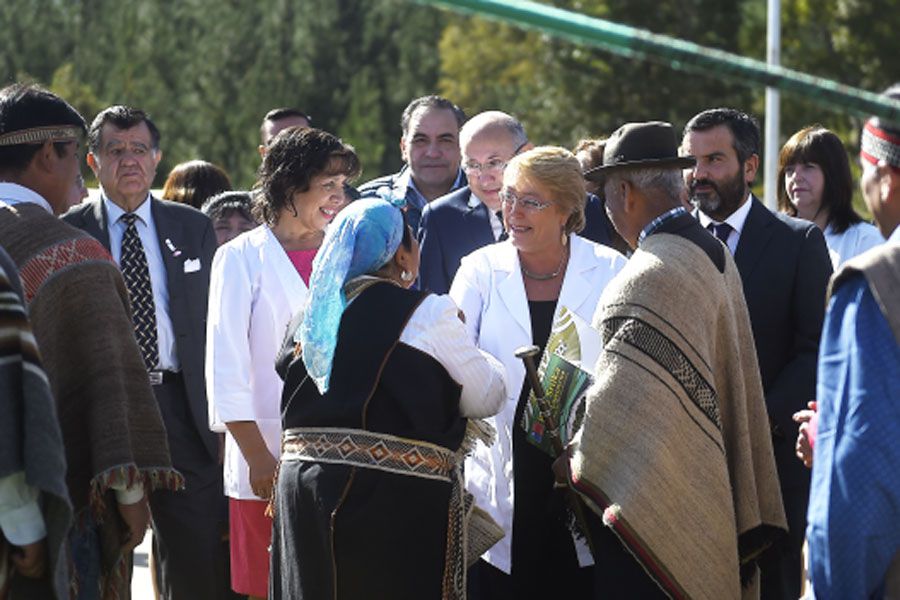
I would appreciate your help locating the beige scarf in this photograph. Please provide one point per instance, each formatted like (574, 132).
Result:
(676, 452)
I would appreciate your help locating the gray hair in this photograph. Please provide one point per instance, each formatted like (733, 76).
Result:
(668, 181)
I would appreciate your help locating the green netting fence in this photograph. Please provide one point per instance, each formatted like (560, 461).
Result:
(680, 54)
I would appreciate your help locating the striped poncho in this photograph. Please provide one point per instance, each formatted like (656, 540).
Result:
(110, 422)
(675, 452)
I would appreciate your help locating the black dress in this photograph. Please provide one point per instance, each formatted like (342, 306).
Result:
(347, 532)
(544, 562)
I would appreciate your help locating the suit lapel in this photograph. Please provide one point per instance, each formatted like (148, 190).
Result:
(754, 237)
(170, 233)
(510, 286)
(478, 224)
(97, 226)
(576, 285)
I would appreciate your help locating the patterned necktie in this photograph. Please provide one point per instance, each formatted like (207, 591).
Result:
(721, 231)
(137, 280)
(503, 234)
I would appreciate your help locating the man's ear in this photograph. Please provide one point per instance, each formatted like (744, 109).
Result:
(45, 158)
(888, 182)
(629, 198)
(157, 157)
(403, 150)
(93, 164)
(751, 166)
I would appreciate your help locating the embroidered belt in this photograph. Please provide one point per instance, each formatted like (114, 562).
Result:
(399, 455)
(369, 450)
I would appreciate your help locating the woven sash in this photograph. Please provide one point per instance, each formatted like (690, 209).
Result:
(368, 450)
(403, 456)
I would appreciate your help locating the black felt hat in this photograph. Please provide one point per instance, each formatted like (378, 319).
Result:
(640, 145)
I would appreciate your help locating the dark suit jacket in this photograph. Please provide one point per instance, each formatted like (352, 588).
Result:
(785, 267)
(450, 229)
(396, 183)
(191, 232)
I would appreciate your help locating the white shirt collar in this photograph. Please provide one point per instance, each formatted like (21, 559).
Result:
(13, 193)
(115, 212)
(735, 219)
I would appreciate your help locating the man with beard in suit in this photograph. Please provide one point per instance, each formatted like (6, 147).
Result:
(784, 266)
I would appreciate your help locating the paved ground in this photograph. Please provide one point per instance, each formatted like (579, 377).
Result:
(141, 588)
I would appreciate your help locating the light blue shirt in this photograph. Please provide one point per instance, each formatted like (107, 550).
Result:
(165, 334)
(405, 187)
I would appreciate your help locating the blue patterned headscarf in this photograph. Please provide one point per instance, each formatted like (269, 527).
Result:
(361, 239)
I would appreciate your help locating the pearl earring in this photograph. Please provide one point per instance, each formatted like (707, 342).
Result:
(406, 275)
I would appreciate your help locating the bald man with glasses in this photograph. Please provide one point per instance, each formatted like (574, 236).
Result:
(470, 218)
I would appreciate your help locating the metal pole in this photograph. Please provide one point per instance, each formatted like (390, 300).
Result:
(679, 54)
(773, 105)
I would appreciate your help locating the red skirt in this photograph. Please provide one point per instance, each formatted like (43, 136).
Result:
(251, 536)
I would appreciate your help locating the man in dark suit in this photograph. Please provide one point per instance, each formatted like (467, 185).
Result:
(429, 145)
(469, 218)
(164, 250)
(784, 267)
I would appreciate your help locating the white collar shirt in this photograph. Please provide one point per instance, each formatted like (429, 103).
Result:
(736, 220)
(165, 333)
(13, 193)
(496, 223)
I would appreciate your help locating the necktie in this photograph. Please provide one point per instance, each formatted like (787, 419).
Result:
(137, 279)
(503, 234)
(721, 231)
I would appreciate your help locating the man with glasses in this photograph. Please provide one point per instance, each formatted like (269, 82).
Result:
(469, 218)
(164, 250)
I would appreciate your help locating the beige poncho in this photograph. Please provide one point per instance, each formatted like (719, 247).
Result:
(675, 452)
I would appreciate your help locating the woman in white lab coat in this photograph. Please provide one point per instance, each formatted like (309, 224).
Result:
(258, 281)
(510, 293)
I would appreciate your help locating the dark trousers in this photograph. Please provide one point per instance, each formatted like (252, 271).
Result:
(188, 525)
(486, 582)
(781, 572)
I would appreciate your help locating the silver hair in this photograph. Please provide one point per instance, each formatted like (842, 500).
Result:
(669, 181)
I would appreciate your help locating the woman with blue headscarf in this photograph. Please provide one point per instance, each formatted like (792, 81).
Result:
(369, 501)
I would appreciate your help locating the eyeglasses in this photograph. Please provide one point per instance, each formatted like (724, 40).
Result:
(526, 202)
(492, 166)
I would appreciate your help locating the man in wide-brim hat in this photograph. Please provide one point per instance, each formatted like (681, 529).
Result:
(644, 151)
(675, 452)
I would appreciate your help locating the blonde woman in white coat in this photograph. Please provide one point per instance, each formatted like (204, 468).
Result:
(258, 282)
(510, 293)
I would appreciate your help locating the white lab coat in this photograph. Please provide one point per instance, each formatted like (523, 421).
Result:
(254, 292)
(490, 291)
